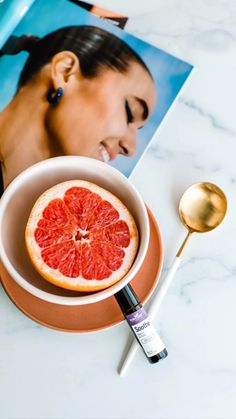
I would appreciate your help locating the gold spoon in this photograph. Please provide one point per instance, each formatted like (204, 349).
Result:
(201, 209)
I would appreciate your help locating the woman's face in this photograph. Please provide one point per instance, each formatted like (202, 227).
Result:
(100, 117)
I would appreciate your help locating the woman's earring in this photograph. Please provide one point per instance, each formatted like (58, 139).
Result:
(54, 96)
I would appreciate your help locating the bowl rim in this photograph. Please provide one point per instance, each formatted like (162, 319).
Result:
(66, 300)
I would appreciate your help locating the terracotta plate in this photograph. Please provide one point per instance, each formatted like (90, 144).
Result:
(90, 317)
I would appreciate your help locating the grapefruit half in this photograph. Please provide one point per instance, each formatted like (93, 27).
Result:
(81, 237)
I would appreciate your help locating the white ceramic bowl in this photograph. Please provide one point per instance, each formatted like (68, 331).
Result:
(18, 200)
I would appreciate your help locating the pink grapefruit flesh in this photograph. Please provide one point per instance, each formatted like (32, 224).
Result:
(80, 236)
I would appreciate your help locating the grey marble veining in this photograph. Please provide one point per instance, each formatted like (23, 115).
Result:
(213, 121)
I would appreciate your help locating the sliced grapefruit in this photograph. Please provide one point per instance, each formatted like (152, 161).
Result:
(81, 237)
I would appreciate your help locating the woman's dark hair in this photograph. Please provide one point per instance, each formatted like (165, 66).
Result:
(95, 48)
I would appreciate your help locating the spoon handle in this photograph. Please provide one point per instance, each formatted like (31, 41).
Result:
(157, 300)
(155, 304)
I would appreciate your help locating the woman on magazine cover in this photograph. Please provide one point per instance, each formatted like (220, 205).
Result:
(82, 91)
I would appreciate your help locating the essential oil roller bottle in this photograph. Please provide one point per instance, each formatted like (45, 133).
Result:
(141, 325)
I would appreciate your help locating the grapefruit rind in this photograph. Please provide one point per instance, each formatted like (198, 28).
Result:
(54, 275)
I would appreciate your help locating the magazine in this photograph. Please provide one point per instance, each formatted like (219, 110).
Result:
(113, 17)
(37, 19)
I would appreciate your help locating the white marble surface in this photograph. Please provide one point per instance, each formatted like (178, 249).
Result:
(47, 374)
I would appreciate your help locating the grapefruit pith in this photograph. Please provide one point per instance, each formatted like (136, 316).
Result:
(80, 236)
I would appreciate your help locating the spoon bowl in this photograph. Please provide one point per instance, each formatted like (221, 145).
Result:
(202, 207)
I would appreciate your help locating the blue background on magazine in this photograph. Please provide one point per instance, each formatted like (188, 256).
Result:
(168, 72)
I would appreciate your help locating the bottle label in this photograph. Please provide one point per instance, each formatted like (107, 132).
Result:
(145, 332)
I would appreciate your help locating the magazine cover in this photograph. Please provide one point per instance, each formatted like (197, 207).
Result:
(72, 83)
(113, 17)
